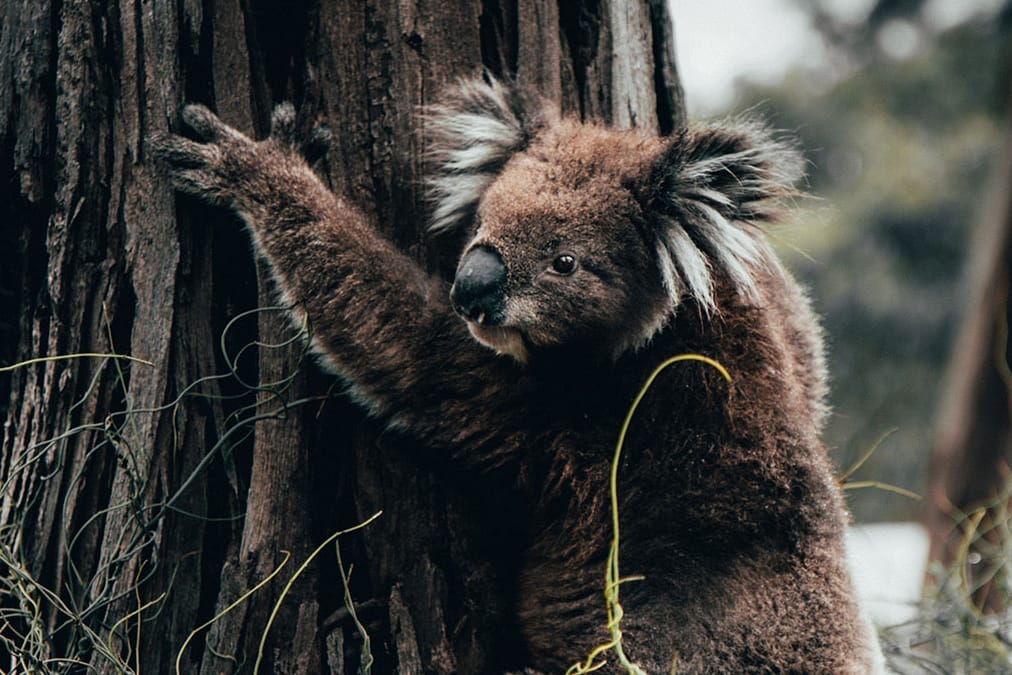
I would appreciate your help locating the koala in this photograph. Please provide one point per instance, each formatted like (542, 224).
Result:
(592, 255)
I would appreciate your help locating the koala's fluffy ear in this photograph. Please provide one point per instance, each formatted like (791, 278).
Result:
(709, 193)
(470, 136)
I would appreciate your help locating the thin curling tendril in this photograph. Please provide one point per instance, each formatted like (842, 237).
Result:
(613, 580)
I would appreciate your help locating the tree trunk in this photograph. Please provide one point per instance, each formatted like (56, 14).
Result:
(140, 499)
(971, 471)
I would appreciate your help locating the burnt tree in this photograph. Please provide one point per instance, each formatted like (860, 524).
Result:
(140, 499)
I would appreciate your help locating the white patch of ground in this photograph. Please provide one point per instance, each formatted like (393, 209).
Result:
(888, 562)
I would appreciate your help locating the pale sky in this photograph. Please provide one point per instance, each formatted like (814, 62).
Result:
(718, 41)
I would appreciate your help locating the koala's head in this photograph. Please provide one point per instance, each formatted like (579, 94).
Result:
(585, 235)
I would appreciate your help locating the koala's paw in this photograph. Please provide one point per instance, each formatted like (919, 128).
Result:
(286, 132)
(210, 167)
(227, 168)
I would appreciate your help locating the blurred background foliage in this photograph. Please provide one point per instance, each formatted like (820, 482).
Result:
(901, 125)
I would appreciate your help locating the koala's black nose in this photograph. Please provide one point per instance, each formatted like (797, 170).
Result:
(478, 289)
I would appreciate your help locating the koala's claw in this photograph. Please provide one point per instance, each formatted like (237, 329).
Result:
(179, 153)
(283, 127)
(189, 166)
(285, 130)
(195, 167)
(316, 146)
(207, 125)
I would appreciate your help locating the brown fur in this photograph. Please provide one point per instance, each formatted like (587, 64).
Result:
(729, 509)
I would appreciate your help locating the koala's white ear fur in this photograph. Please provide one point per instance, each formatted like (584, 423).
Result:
(710, 192)
(470, 136)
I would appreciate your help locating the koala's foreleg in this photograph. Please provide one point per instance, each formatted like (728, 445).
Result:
(377, 318)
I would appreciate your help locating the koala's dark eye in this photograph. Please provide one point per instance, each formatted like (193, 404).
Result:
(564, 264)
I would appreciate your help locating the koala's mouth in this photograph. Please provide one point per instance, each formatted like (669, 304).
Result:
(502, 339)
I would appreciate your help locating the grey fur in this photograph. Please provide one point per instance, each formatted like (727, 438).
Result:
(470, 137)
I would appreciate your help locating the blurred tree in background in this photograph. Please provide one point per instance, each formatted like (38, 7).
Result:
(902, 128)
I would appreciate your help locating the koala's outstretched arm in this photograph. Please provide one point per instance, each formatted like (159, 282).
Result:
(377, 318)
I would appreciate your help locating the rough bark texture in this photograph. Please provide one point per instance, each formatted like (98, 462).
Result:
(970, 472)
(140, 500)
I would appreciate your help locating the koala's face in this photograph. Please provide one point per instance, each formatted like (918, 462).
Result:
(561, 255)
(591, 237)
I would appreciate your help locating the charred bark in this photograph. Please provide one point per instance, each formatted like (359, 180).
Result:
(142, 498)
